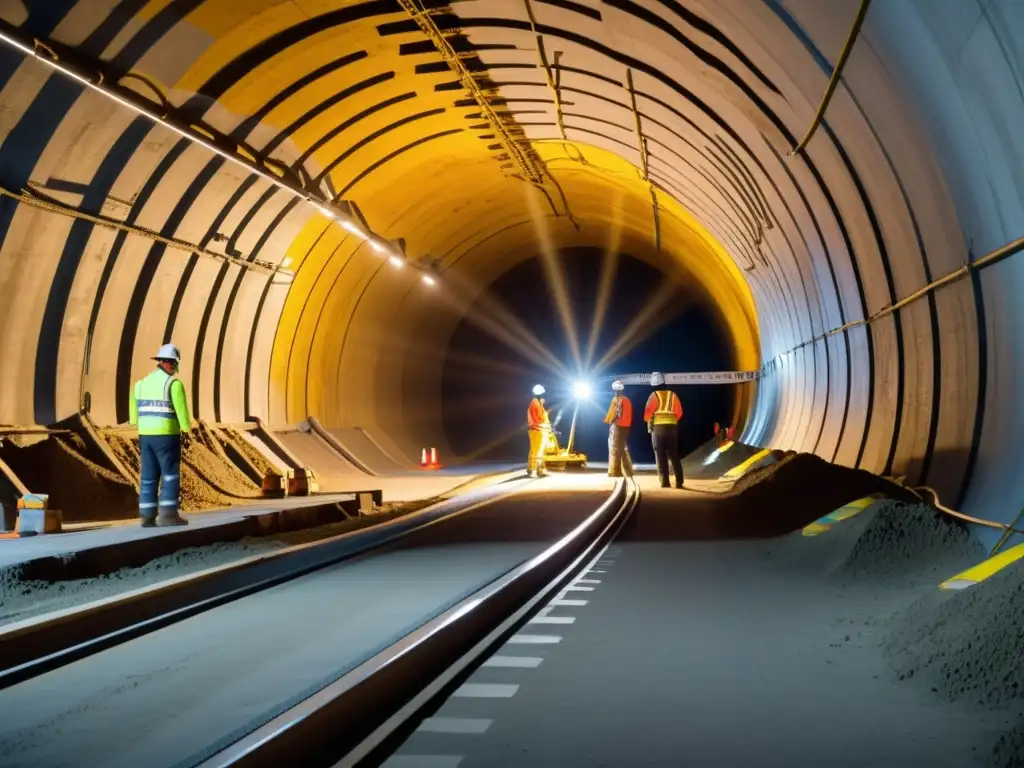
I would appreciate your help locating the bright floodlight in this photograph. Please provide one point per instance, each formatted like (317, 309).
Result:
(581, 390)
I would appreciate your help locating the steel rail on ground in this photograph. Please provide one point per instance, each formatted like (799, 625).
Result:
(34, 646)
(349, 720)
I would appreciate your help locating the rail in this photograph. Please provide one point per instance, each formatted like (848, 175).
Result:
(38, 645)
(372, 700)
(833, 81)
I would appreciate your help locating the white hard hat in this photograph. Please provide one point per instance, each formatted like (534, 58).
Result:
(657, 379)
(168, 352)
(617, 386)
(538, 390)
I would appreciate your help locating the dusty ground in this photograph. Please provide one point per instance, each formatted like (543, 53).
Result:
(24, 599)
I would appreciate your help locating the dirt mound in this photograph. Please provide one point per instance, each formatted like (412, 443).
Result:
(206, 481)
(910, 543)
(802, 487)
(247, 451)
(967, 644)
(1009, 750)
(83, 490)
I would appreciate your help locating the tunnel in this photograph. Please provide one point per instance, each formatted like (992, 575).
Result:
(320, 201)
(680, 150)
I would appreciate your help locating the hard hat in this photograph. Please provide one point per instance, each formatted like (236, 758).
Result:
(657, 379)
(617, 386)
(168, 352)
(538, 390)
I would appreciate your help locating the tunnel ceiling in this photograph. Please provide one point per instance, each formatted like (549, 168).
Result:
(478, 134)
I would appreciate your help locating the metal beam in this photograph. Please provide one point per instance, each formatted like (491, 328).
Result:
(518, 153)
(642, 141)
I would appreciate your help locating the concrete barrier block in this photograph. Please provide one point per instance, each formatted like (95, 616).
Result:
(34, 501)
(32, 522)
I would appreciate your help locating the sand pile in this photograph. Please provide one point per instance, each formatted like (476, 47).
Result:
(968, 644)
(83, 490)
(909, 544)
(258, 461)
(206, 481)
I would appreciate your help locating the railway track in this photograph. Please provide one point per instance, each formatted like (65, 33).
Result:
(317, 634)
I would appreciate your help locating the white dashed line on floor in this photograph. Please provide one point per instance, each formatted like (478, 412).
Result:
(455, 725)
(575, 588)
(595, 570)
(486, 691)
(514, 662)
(534, 639)
(564, 602)
(552, 619)
(588, 581)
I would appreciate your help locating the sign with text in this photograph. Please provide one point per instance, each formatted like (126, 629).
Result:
(707, 377)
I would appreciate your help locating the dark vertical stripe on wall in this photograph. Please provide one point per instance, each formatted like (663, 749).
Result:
(246, 220)
(979, 410)
(109, 28)
(144, 282)
(48, 347)
(115, 251)
(247, 403)
(179, 294)
(151, 33)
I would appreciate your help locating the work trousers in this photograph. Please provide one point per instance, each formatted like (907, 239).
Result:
(538, 444)
(619, 460)
(666, 449)
(161, 463)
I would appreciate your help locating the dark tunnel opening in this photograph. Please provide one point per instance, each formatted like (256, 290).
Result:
(486, 384)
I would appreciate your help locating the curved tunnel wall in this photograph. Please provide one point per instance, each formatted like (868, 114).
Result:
(913, 171)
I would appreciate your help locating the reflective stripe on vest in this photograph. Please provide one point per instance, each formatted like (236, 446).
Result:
(156, 409)
(666, 413)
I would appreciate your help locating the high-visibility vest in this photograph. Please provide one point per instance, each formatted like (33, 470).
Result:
(160, 405)
(620, 412)
(536, 415)
(666, 410)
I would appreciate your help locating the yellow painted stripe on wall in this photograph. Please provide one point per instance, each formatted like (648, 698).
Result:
(984, 569)
(739, 469)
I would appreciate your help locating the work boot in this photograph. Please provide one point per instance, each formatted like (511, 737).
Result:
(166, 521)
(148, 522)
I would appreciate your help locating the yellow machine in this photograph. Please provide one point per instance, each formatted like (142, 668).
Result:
(557, 458)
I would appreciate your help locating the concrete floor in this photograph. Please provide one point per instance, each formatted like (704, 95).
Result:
(690, 652)
(168, 698)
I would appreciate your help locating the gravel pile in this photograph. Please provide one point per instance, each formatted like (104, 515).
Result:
(1009, 750)
(909, 544)
(966, 645)
(83, 490)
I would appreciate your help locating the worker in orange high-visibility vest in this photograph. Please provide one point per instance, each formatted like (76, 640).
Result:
(619, 420)
(539, 430)
(663, 414)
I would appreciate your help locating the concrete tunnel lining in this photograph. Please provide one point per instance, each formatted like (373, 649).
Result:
(910, 174)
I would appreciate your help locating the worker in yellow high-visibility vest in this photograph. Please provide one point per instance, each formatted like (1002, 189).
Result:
(159, 409)
(663, 414)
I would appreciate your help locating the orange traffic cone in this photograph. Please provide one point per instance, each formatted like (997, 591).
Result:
(434, 464)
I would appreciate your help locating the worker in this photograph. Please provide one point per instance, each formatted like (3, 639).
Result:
(663, 414)
(539, 427)
(619, 420)
(159, 409)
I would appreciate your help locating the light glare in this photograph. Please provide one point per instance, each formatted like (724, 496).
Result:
(428, 280)
(396, 262)
(581, 390)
